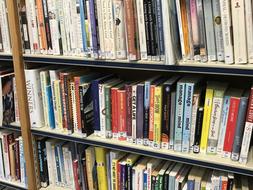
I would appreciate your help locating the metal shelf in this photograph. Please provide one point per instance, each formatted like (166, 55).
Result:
(12, 127)
(203, 160)
(12, 184)
(5, 57)
(182, 67)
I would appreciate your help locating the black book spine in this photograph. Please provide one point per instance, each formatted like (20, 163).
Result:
(198, 130)
(45, 166)
(165, 181)
(145, 6)
(155, 28)
(96, 21)
(146, 114)
(166, 101)
(47, 25)
(153, 182)
(24, 28)
(140, 112)
(151, 28)
(129, 178)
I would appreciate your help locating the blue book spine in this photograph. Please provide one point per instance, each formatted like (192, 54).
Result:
(50, 107)
(160, 26)
(93, 27)
(61, 163)
(140, 113)
(172, 182)
(180, 96)
(223, 125)
(57, 161)
(83, 25)
(145, 181)
(189, 89)
(95, 96)
(190, 185)
(123, 176)
(146, 110)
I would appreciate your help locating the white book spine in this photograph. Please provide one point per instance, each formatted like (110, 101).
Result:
(73, 101)
(141, 27)
(249, 29)
(34, 98)
(134, 103)
(4, 27)
(1, 158)
(66, 13)
(210, 36)
(172, 121)
(227, 33)
(53, 21)
(180, 26)
(102, 131)
(66, 159)
(195, 104)
(246, 142)
(214, 125)
(78, 28)
(58, 103)
(22, 162)
(111, 31)
(73, 24)
(239, 31)
(218, 30)
(43, 78)
(50, 163)
(101, 28)
(17, 119)
(120, 31)
(6, 157)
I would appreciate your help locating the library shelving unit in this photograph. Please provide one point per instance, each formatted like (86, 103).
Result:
(18, 60)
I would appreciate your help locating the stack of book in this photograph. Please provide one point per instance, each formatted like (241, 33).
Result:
(185, 114)
(104, 29)
(81, 167)
(12, 160)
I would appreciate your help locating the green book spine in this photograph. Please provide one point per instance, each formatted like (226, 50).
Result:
(108, 126)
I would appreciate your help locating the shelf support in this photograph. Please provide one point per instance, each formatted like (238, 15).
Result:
(18, 63)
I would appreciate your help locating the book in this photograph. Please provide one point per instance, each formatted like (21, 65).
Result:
(101, 167)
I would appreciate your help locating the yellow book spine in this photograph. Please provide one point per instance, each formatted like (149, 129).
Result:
(114, 174)
(89, 168)
(206, 119)
(101, 168)
(58, 103)
(157, 116)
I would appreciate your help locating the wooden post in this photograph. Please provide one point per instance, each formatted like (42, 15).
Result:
(18, 63)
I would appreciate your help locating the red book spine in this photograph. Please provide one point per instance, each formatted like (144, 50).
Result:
(129, 110)
(122, 130)
(75, 171)
(151, 113)
(231, 124)
(78, 109)
(224, 185)
(114, 112)
(64, 118)
(118, 175)
(249, 117)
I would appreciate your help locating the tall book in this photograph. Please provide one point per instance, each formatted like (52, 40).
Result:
(101, 167)
(249, 29)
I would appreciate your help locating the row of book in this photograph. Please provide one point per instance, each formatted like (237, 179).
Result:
(169, 112)
(217, 30)
(12, 161)
(104, 29)
(76, 166)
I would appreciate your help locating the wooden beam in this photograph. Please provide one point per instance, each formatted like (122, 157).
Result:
(18, 63)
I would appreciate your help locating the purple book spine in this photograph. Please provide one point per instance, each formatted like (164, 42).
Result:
(140, 111)
(93, 27)
(123, 177)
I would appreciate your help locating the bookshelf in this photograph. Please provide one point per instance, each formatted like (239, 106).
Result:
(213, 162)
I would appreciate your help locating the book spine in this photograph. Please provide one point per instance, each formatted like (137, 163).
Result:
(57, 165)
(114, 113)
(227, 30)
(239, 31)
(172, 119)
(160, 29)
(130, 29)
(59, 105)
(195, 105)
(101, 27)
(146, 22)
(195, 29)
(247, 131)
(75, 172)
(5, 28)
(166, 106)
(108, 114)
(231, 126)
(114, 175)
(129, 112)
(2, 171)
(50, 109)
(146, 112)
(120, 29)
(214, 125)
(47, 25)
(95, 95)
(74, 105)
(139, 113)
(17, 160)
(141, 27)
(105, 27)
(43, 80)
(157, 117)
(198, 130)
(223, 124)
(218, 30)
(61, 162)
(180, 99)
(206, 118)
(210, 35)
(152, 24)
(134, 112)
(77, 116)
(249, 29)
(24, 28)
(102, 131)
(239, 129)
(93, 29)
(111, 31)
(54, 104)
(79, 31)
(17, 118)
(122, 130)
(151, 114)
(67, 94)
(189, 89)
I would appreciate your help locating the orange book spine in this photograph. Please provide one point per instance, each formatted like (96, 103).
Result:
(185, 26)
(78, 109)
(122, 131)
(151, 113)
(41, 25)
(114, 113)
